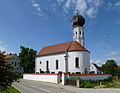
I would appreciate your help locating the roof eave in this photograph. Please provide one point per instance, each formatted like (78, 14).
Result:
(60, 53)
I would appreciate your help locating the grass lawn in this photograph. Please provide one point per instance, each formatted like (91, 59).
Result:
(11, 90)
(115, 84)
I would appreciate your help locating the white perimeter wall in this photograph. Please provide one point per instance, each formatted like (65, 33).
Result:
(91, 77)
(56, 78)
(53, 78)
(84, 62)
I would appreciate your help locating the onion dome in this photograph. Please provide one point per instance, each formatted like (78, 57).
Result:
(78, 20)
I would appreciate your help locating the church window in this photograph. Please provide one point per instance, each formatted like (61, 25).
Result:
(40, 62)
(80, 32)
(76, 33)
(77, 62)
(56, 64)
(47, 65)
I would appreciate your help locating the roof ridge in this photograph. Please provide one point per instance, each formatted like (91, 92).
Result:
(69, 46)
(58, 44)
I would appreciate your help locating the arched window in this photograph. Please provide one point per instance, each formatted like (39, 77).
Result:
(40, 62)
(77, 62)
(56, 64)
(76, 33)
(80, 32)
(47, 65)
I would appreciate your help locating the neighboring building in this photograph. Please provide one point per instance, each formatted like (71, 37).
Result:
(14, 61)
(66, 57)
(94, 69)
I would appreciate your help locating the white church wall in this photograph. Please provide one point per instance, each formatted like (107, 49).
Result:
(52, 63)
(83, 62)
(53, 78)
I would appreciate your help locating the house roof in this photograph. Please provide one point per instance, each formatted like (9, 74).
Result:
(96, 66)
(9, 57)
(61, 48)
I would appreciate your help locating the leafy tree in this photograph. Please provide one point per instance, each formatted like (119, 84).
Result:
(27, 59)
(6, 74)
(109, 67)
(117, 71)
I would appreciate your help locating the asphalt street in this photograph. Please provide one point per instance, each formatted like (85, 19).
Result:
(29, 86)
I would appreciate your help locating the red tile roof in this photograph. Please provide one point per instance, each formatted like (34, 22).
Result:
(9, 56)
(61, 48)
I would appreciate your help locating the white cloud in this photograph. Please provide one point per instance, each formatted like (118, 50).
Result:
(118, 22)
(113, 53)
(98, 62)
(91, 12)
(84, 7)
(67, 5)
(5, 47)
(60, 1)
(87, 7)
(35, 4)
(2, 46)
(37, 7)
(117, 4)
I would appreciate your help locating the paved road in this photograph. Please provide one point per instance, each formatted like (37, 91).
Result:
(28, 86)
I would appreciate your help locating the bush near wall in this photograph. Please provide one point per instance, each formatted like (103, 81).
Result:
(92, 83)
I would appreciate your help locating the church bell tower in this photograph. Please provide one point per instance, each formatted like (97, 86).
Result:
(78, 30)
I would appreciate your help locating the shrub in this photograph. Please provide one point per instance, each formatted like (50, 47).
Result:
(87, 83)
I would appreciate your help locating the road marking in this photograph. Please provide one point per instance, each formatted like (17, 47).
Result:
(32, 86)
(44, 89)
(37, 87)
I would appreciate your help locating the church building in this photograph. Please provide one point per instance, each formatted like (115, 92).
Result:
(68, 57)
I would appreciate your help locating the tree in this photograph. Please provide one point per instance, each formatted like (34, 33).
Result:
(117, 71)
(109, 67)
(6, 74)
(27, 59)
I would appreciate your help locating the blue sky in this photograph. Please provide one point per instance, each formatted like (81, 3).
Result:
(38, 23)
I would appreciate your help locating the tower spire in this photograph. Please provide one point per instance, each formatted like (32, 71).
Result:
(78, 31)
